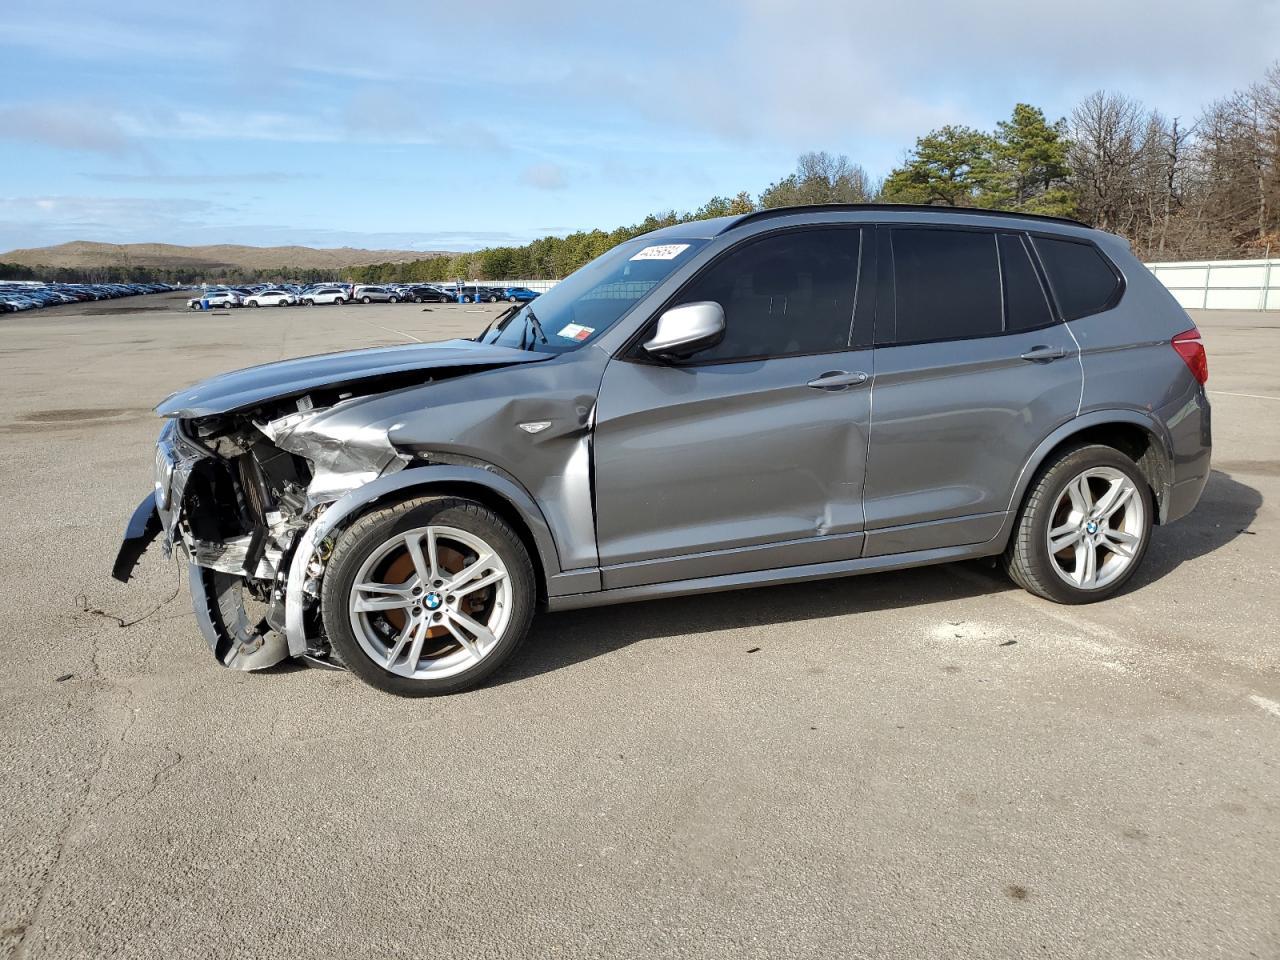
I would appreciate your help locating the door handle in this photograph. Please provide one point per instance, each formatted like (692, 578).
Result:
(1044, 354)
(837, 380)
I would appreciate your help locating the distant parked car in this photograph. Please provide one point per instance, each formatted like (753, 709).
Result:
(217, 298)
(272, 298)
(325, 295)
(518, 294)
(372, 294)
(476, 294)
(429, 294)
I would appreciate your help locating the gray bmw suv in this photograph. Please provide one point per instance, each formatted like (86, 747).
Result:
(787, 395)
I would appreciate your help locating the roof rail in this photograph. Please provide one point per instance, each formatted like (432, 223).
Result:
(896, 207)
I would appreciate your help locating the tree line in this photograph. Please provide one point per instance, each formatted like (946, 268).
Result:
(1207, 187)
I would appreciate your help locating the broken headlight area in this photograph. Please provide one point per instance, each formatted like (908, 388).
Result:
(236, 491)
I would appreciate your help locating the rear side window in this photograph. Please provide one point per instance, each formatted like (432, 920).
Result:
(786, 294)
(946, 284)
(1025, 304)
(1082, 280)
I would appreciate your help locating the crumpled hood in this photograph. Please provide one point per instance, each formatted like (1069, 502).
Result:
(270, 381)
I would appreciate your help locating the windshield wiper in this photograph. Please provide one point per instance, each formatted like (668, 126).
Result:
(500, 321)
(531, 322)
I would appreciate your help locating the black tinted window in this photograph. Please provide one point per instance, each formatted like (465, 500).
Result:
(947, 284)
(786, 294)
(1025, 305)
(1082, 281)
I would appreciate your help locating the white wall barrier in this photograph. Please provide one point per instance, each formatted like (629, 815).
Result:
(1222, 284)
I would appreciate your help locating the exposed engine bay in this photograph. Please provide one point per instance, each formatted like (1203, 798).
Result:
(256, 472)
(236, 490)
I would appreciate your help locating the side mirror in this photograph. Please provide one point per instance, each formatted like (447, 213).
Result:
(684, 330)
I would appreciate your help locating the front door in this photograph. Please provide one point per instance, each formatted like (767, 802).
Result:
(750, 455)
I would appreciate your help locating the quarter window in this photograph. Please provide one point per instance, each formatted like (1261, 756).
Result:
(1082, 281)
(1025, 304)
(946, 284)
(790, 293)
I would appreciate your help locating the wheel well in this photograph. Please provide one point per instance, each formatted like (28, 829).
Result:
(1137, 443)
(480, 494)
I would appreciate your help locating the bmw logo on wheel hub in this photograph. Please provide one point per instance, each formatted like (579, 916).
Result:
(432, 600)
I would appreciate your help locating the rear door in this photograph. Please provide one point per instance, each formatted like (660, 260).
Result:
(749, 456)
(973, 370)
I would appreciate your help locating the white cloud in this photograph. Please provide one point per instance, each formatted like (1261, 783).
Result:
(69, 126)
(545, 176)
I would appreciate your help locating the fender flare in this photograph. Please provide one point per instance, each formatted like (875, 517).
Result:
(360, 499)
(1065, 431)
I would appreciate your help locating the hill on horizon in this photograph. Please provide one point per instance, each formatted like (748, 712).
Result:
(89, 254)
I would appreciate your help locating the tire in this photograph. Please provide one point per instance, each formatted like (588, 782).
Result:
(254, 303)
(465, 300)
(392, 300)
(283, 303)
(511, 299)
(1065, 576)
(417, 299)
(366, 300)
(356, 557)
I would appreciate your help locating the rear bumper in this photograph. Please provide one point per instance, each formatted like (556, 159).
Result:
(1190, 429)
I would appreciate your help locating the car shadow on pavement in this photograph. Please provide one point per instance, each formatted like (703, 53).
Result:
(1225, 511)
(564, 639)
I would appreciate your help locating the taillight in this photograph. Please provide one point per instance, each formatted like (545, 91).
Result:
(1191, 349)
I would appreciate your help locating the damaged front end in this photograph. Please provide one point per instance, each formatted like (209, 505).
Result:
(249, 462)
(233, 493)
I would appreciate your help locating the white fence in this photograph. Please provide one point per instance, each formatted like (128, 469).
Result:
(1222, 284)
(537, 286)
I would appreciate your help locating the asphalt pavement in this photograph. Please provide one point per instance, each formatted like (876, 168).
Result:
(929, 763)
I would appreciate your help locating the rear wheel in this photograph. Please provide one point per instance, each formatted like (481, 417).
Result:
(1084, 527)
(427, 597)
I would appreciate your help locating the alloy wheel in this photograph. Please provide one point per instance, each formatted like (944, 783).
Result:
(430, 602)
(1096, 528)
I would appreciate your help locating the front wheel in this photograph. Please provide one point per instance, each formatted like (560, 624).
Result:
(309, 302)
(427, 597)
(366, 300)
(1083, 528)
(392, 300)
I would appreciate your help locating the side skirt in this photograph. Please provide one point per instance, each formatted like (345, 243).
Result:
(764, 578)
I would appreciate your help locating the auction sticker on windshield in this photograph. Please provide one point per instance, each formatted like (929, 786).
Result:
(662, 251)
(575, 331)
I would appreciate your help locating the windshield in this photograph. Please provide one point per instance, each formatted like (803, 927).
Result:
(591, 299)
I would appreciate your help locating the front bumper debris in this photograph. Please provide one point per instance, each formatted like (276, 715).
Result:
(143, 527)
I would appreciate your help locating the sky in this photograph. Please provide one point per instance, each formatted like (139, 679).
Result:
(411, 124)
